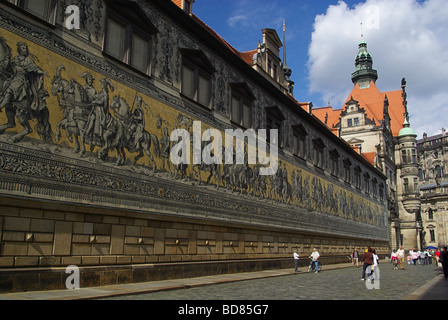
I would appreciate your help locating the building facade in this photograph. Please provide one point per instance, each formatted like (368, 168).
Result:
(433, 184)
(376, 124)
(89, 107)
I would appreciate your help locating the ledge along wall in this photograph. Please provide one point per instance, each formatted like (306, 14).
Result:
(128, 223)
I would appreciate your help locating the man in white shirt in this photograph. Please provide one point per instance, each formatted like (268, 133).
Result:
(296, 260)
(315, 257)
(400, 255)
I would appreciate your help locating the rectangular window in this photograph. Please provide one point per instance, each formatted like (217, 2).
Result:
(139, 53)
(347, 176)
(432, 235)
(188, 87)
(204, 90)
(358, 178)
(299, 142)
(415, 185)
(43, 9)
(349, 123)
(116, 39)
(318, 154)
(334, 163)
(356, 122)
(381, 192)
(39, 8)
(403, 157)
(196, 77)
(128, 44)
(241, 106)
(406, 185)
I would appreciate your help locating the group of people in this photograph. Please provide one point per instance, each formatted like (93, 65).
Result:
(399, 258)
(314, 256)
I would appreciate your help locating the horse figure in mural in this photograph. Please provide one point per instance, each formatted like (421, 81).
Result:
(22, 92)
(127, 131)
(76, 104)
(213, 169)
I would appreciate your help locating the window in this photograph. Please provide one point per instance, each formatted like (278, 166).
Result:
(430, 214)
(334, 163)
(375, 188)
(356, 122)
(187, 6)
(274, 121)
(415, 185)
(406, 185)
(347, 176)
(403, 157)
(299, 141)
(438, 172)
(43, 9)
(318, 153)
(381, 192)
(241, 105)
(197, 74)
(128, 36)
(432, 235)
(414, 156)
(367, 183)
(357, 172)
(349, 123)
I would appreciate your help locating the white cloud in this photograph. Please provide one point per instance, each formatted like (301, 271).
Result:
(406, 38)
(237, 20)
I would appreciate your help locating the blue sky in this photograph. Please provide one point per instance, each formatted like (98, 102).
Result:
(322, 41)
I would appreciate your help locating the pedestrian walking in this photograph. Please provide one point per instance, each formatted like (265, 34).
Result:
(444, 260)
(367, 259)
(355, 258)
(414, 257)
(422, 258)
(296, 261)
(394, 259)
(438, 258)
(374, 269)
(401, 258)
(430, 254)
(315, 259)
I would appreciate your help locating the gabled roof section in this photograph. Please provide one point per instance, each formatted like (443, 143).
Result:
(372, 101)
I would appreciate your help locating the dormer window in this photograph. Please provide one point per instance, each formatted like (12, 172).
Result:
(197, 74)
(241, 105)
(128, 37)
(318, 153)
(274, 121)
(299, 141)
(187, 6)
(43, 9)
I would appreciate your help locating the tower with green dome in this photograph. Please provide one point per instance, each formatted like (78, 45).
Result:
(364, 73)
(407, 177)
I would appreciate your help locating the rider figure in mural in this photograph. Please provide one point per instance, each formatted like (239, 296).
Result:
(26, 82)
(137, 126)
(97, 119)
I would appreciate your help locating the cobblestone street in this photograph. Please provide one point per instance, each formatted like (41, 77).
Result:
(339, 284)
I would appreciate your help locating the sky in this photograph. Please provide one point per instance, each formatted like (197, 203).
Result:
(406, 38)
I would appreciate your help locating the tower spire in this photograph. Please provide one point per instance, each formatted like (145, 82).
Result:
(286, 70)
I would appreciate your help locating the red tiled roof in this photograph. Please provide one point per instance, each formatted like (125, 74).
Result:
(178, 3)
(372, 101)
(369, 156)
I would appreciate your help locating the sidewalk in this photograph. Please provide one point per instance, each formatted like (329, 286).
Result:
(434, 290)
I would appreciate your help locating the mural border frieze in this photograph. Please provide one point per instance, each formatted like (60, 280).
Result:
(35, 174)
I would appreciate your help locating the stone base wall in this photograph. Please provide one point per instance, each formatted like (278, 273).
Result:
(40, 239)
